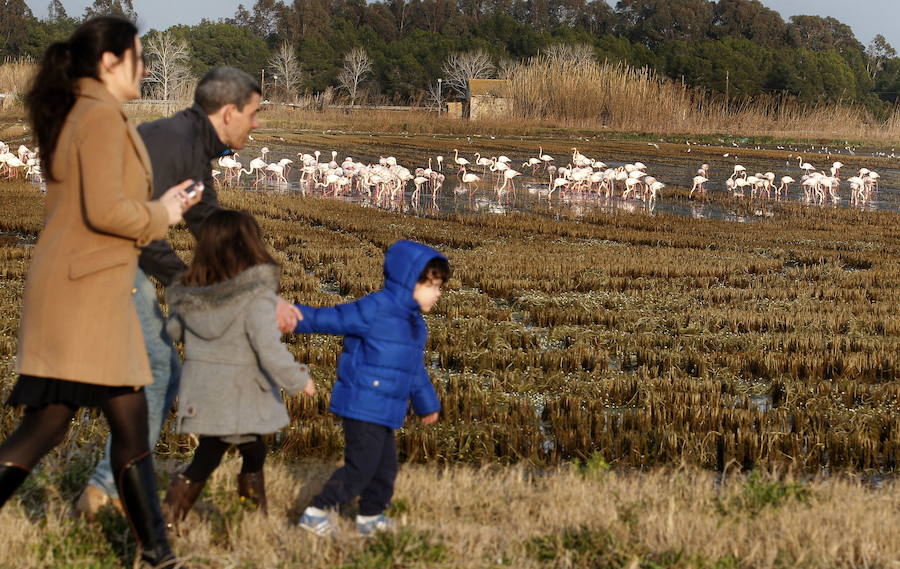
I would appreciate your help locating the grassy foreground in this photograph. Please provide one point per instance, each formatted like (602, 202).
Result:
(460, 517)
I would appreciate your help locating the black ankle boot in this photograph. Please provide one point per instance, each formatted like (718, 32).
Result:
(11, 477)
(137, 489)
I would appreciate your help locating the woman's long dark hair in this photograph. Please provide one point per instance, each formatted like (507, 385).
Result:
(52, 93)
(230, 242)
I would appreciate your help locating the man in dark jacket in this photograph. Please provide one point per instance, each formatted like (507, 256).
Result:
(380, 371)
(181, 147)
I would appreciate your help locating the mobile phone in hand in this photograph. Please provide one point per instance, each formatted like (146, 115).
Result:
(195, 189)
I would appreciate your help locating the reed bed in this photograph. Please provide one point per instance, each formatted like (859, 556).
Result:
(644, 341)
(624, 98)
(14, 79)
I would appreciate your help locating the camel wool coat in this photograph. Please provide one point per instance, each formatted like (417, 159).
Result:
(78, 319)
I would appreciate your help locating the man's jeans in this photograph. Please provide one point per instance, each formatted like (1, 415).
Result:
(166, 369)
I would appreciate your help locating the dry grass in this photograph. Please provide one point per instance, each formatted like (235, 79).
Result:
(462, 517)
(623, 98)
(14, 80)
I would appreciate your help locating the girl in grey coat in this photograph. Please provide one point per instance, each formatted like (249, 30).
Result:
(235, 365)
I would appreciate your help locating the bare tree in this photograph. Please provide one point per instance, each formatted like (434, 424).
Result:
(356, 66)
(576, 54)
(168, 72)
(435, 94)
(462, 66)
(877, 52)
(286, 70)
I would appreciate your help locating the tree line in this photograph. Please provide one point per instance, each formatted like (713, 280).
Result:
(395, 50)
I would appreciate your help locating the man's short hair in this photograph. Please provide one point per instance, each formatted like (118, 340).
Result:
(223, 86)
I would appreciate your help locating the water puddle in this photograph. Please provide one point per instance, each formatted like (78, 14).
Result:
(15, 240)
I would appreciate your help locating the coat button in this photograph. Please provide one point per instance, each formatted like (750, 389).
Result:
(376, 383)
(134, 291)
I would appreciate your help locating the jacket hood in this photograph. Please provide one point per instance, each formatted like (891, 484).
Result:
(403, 263)
(208, 311)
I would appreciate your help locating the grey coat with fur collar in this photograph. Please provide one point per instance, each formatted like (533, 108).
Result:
(234, 362)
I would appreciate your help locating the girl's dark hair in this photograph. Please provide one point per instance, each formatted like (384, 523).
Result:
(230, 242)
(437, 268)
(52, 93)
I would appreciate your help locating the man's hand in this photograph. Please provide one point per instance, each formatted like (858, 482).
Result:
(287, 315)
(310, 389)
(430, 419)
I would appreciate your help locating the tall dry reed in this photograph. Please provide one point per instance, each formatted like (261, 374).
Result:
(625, 98)
(14, 80)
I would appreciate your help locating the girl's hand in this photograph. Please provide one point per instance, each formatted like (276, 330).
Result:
(430, 419)
(310, 389)
(177, 201)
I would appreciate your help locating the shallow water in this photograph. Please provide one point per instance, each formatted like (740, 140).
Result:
(674, 171)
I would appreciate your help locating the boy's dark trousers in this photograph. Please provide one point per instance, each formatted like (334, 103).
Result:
(369, 471)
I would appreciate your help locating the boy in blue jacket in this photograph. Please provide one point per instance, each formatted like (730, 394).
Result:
(380, 370)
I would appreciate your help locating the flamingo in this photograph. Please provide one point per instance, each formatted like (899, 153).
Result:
(806, 166)
(461, 162)
(277, 172)
(545, 158)
(698, 185)
(785, 182)
(256, 165)
(469, 179)
(508, 176)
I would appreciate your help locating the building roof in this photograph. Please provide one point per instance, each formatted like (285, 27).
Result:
(491, 87)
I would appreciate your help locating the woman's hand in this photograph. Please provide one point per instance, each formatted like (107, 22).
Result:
(177, 202)
(430, 419)
(310, 389)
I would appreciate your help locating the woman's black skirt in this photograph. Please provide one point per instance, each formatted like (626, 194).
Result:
(39, 392)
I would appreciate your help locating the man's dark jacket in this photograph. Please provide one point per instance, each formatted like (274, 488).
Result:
(180, 147)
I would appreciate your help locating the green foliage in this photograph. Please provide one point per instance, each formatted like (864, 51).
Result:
(600, 549)
(583, 547)
(734, 46)
(595, 466)
(80, 545)
(214, 44)
(400, 548)
(759, 494)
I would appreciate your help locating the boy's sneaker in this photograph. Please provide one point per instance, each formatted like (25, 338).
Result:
(317, 522)
(370, 524)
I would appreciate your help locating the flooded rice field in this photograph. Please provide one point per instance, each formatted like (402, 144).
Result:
(673, 165)
(582, 325)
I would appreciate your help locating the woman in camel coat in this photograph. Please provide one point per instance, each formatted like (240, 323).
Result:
(80, 342)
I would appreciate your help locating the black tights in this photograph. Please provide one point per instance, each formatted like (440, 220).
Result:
(211, 450)
(42, 428)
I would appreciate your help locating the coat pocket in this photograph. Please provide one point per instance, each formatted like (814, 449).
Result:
(88, 263)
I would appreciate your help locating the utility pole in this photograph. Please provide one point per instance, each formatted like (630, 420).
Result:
(262, 82)
(727, 84)
(439, 102)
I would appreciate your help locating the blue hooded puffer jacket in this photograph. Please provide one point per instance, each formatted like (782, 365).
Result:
(382, 365)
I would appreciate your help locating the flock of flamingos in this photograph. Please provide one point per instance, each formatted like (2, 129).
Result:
(386, 182)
